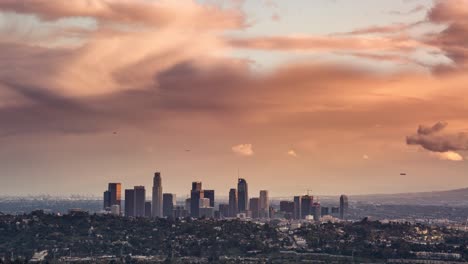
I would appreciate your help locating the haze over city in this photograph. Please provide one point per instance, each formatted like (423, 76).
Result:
(336, 96)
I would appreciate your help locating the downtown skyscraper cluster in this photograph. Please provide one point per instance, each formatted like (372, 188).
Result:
(201, 203)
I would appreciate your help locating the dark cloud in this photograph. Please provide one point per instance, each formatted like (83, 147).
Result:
(453, 40)
(432, 139)
(424, 130)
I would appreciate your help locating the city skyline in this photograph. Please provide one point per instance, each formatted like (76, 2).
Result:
(366, 95)
(202, 203)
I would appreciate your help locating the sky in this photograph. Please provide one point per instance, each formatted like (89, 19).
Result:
(333, 96)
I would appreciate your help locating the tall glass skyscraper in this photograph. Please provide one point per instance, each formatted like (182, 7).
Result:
(233, 210)
(264, 206)
(157, 202)
(242, 195)
(343, 206)
(140, 195)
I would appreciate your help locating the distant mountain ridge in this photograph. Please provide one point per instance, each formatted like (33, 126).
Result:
(456, 197)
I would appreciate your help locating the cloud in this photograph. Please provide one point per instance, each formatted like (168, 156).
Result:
(449, 155)
(327, 43)
(414, 10)
(243, 150)
(432, 139)
(453, 40)
(292, 153)
(149, 13)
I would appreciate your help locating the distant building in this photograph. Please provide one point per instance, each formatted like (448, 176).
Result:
(297, 207)
(195, 195)
(316, 211)
(115, 194)
(233, 209)
(242, 195)
(264, 205)
(115, 209)
(140, 197)
(107, 202)
(204, 203)
(287, 207)
(129, 203)
(196, 186)
(335, 211)
(306, 206)
(223, 210)
(188, 204)
(343, 206)
(169, 201)
(157, 202)
(210, 194)
(207, 212)
(148, 209)
(254, 207)
(325, 211)
(180, 212)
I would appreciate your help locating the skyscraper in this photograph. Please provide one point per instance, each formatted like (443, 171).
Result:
(115, 195)
(306, 206)
(343, 206)
(242, 195)
(169, 202)
(210, 194)
(157, 208)
(264, 206)
(297, 207)
(195, 195)
(140, 197)
(129, 202)
(233, 210)
(287, 207)
(254, 204)
(148, 209)
(224, 210)
(107, 204)
(196, 186)
(316, 211)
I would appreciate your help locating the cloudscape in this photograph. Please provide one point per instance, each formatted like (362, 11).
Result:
(339, 96)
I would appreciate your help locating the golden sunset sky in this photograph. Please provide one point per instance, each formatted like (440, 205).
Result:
(335, 96)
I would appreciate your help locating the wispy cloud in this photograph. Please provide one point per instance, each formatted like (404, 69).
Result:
(243, 149)
(292, 153)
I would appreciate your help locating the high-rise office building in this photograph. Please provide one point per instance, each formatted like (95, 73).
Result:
(343, 206)
(287, 207)
(316, 211)
(325, 211)
(148, 209)
(107, 203)
(242, 195)
(157, 202)
(264, 206)
(306, 206)
(254, 207)
(115, 190)
(196, 186)
(130, 202)
(223, 210)
(210, 194)
(180, 212)
(297, 207)
(140, 197)
(233, 209)
(188, 204)
(195, 195)
(169, 202)
(204, 203)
